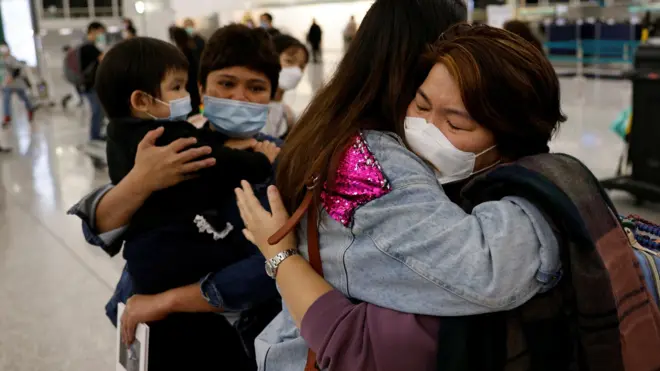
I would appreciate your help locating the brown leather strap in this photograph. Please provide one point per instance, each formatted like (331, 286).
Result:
(313, 239)
(293, 220)
(315, 261)
(312, 245)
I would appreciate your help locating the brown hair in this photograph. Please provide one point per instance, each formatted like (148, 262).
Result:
(522, 29)
(506, 84)
(373, 86)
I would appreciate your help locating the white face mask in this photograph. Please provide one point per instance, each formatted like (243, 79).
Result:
(429, 143)
(290, 78)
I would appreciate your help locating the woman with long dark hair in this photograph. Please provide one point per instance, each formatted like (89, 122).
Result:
(382, 214)
(186, 44)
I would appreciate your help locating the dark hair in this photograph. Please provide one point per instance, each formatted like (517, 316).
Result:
(238, 45)
(283, 42)
(95, 26)
(131, 30)
(506, 84)
(372, 88)
(268, 16)
(522, 29)
(140, 64)
(181, 38)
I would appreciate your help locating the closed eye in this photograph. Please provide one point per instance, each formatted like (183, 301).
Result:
(422, 109)
(452, 126)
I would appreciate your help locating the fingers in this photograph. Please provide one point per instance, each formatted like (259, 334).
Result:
(151, 137)
(127, 336)
(241, 144)
(276, 205)
(243, 209)
(192, 154)
(181, 144)
(192, 167)
(250, 199)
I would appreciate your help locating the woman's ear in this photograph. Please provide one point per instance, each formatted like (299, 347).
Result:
(140, 101)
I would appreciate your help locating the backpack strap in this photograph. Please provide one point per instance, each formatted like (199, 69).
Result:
(309, 205)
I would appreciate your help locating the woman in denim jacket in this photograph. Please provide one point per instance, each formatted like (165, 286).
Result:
(389, 234)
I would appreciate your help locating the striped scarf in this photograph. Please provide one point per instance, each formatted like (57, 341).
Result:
(615, 325)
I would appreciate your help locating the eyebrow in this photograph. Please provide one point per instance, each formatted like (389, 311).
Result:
(232, 77)
(424, 96)
(451, 111)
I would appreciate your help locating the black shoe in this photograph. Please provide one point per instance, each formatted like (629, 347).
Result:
(5, 150)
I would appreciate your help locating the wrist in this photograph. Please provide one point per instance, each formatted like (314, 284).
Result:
(168, 301)
(136, 185)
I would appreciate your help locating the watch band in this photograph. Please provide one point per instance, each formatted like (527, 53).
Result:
(273, 263)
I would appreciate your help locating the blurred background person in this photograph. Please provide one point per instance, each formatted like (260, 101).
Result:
(189, 26)
(523, 30)
(294, 58)
(186, 44)
(128, 23)
(349, 32)
(90, 55)
(13, 84)
(315, 38)
(70, 79)
(266, 22)
(128, 33)
(248, 21)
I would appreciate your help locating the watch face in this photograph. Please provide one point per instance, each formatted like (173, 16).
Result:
(269, 270)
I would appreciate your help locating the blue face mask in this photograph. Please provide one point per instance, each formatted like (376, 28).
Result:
(179, 108)
(235, 118)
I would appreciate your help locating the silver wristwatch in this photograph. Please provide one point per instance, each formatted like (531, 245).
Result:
(274, 262)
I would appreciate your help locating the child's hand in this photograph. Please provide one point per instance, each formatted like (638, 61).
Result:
(269, 149)
(241, 144)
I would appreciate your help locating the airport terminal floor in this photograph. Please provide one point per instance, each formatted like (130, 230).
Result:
(53, 285)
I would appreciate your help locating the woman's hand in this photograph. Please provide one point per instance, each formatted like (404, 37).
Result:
(142, 309)
(260, 224)
(157, 168)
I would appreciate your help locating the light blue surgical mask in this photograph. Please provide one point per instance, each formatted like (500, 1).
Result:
(179, 109)
(235, 118)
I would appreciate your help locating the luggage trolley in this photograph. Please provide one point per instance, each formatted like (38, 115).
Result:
(643, 153)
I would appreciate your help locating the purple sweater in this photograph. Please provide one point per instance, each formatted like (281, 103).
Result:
(347, 336)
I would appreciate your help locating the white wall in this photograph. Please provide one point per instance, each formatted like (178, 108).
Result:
(296, 20)
(156, 19)
(19, 30)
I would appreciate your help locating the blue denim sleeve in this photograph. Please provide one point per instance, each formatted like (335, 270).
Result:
(123, 291)
(239, 286)
(85, 209)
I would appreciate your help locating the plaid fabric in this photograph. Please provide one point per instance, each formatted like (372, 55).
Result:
(603, 300)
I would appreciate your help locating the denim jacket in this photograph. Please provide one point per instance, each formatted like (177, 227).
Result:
(415, 251)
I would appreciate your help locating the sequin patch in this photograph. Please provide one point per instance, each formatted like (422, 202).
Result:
(359, 180)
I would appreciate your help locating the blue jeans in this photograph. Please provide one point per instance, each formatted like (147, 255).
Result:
(97, 115)
(6, 99)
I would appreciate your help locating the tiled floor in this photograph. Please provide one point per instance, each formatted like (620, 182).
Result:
(53, 286)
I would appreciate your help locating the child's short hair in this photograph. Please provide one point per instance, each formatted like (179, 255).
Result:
(136, 64)
(240, 46)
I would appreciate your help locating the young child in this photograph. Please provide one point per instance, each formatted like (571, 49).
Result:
(141, 85)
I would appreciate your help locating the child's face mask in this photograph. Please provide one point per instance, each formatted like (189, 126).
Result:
(179, 109)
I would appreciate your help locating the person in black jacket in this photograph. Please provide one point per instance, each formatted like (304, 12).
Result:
(189, 27)
(186, 45)
(181, 233)
(314, 38)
